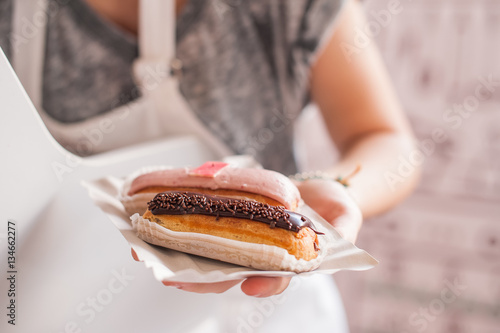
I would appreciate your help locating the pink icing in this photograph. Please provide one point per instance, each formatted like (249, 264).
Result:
(259, 181)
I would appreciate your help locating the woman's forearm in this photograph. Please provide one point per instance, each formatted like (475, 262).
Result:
(390, 168)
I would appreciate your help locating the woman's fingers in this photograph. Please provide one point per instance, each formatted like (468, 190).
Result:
(203, 288)
(333, 202)
(254, 286)
(264, 286)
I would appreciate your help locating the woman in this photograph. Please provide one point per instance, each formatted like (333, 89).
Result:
(248, 68)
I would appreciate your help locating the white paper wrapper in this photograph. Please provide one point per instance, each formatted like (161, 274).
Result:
(170, 265)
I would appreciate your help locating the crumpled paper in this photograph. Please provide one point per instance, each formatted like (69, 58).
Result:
(171, 265)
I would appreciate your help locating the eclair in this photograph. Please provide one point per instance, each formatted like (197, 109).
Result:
(240, 216)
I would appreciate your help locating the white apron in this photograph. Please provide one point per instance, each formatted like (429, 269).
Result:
(311, 304)
(161, 111)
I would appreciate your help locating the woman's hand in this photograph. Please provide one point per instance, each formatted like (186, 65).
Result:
(332, 201)
(253, 286)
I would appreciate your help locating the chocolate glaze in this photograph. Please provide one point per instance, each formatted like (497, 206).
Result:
(178, 203)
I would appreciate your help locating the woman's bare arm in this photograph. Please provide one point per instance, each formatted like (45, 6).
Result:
(363, 116)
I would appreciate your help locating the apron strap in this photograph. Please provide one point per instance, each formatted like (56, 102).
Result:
(156, 43)
(157, 30)
(29, 32)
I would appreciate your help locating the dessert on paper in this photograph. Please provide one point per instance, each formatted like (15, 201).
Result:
(222, 222)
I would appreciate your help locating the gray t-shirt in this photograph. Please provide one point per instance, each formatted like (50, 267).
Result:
(245, 75)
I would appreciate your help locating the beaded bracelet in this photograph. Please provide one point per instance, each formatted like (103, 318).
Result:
(303, 176)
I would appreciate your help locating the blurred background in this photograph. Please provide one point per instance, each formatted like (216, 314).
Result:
(439, 251)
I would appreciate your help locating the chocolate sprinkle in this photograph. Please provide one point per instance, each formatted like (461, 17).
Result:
(178, 203)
